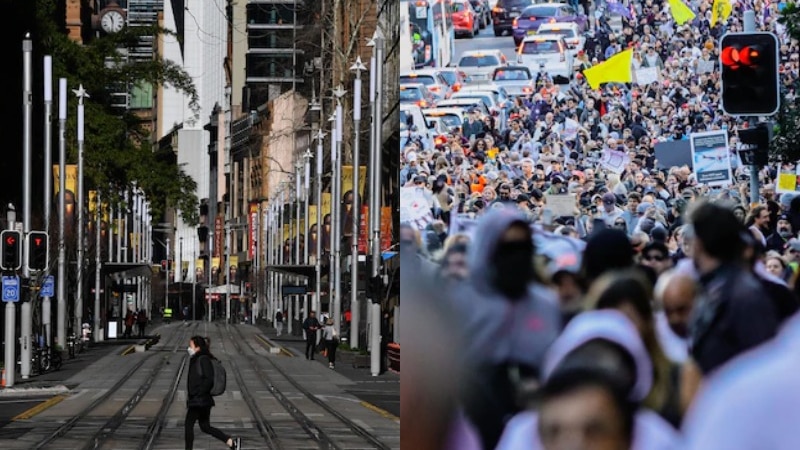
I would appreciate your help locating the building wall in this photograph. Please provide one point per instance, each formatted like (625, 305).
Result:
(239, 45)
(287, 114)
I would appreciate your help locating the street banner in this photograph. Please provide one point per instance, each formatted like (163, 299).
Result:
(711, 159)
(347, 180)
(92, 202)
(414, 208)
(252, 226)
(386, 228)
(363, 230)
(71, 181)
(214, 268)
(326, 222)
(313, 228)
(199, 270)
(234, 269)
(287, 232)
(219, 243)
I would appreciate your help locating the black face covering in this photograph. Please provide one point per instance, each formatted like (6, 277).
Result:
(513, 267)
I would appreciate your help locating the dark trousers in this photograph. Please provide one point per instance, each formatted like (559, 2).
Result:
(311, 343)
(127, 331)
(202, 415)
(331, 346)
(141, 329)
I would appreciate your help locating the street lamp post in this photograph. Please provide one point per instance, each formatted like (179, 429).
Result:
(81, 94)
(318, 261)
(355, 309)
(339, 92)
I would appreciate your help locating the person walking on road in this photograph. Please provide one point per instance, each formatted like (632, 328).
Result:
(331, 338)
(199, 400)
(141, 319)
(311, 325)
(279, 321)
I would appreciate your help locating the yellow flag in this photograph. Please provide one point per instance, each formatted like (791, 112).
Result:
(680, 12)
(614, 69)
(720, 11)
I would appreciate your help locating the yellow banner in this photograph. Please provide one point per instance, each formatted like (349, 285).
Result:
(326, 204)
(92, 202)
(312, 215)
(200, 264)
(293, 229)
(71, 181)
(347, 180)
(286, 231)
(234, 260)
(104, 207)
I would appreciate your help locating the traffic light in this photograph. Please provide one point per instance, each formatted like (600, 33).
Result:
(750, 82)
(38, 250)
(12, 256)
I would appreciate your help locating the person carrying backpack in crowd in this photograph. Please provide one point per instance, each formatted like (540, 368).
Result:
(198, 391)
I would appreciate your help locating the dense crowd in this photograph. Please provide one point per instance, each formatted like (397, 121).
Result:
(659, 313)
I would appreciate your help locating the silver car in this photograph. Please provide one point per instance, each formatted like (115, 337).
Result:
(479, 64)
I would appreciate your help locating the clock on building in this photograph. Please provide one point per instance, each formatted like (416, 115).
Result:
(110, 19)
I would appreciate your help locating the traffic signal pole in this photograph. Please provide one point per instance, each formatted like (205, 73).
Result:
(26, 313)
(749, 27)
(11, 319)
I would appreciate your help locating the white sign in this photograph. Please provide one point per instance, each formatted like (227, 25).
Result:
(614, 160)
(422, 12)
(561, 204)
(711, 159)
(646, 75)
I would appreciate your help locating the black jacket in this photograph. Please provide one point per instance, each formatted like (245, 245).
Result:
(311, 322)
(199, 381)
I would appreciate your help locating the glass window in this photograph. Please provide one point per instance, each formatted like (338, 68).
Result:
(410, 94)
(539, 47)
(541, 11)
(427, 80)
(142, 96)
(479, 61)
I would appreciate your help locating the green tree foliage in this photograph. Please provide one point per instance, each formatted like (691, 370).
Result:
(786, 145)
(118, 154)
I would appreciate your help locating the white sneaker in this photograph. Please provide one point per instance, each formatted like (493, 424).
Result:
(330, 365)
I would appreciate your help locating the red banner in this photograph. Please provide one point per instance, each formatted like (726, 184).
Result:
(363, 231)
(219, 244)
(252, 226)
(386, 228)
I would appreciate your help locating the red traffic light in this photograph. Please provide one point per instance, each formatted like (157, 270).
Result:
(11, 240)
(734, 57)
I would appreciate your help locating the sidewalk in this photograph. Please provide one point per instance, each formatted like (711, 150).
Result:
(381, 392)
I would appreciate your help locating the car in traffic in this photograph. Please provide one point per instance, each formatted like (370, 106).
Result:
(479, 64)
(465, 104)
(494, 97)
(504, 12)
(454, 77)
(465, 19)
(450, 117)
(516, 80)
(432, 78)
(533, 16)
(484, 12)
(547, 53)
(417, 94)
(573, 36)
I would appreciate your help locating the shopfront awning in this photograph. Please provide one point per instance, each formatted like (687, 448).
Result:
(308, 271)
(121, 271)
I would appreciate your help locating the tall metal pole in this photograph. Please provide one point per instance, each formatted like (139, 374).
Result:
(11, 319)
(298, 194)
(81, 94)
(98, 261)
(210, 256)
(339, 92)
(375, 197)
(166, 286)
(376, 188)
(48, 179)
(318, 261)
(355, 308)
(228, 270)
(194, 281)
(372, 172)
(281, 257)
(180, 277)
(306, 224)
(62, 209)
(26, 313)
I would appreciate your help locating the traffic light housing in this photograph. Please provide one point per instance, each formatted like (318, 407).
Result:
(38, 250)
(750, 78)
(12, 246)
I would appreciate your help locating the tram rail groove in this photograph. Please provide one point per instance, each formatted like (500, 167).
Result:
(115, 421)
(311, 427)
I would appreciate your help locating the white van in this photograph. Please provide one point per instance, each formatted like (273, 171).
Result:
(413, 123)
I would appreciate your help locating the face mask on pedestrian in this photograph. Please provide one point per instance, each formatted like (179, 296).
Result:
(785, 232)
(190, 350)
(513, 268)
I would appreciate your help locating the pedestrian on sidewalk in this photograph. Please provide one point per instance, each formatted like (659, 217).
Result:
(331, 338)
(130, 319)
(279, 322)
(311, 325)
(199, 400)
(141, 319)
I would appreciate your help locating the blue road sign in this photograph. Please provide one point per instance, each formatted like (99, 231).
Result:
(48, 287)
(10, 289)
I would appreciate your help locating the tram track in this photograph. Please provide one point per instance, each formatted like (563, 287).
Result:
(327, 436)
(107, 429)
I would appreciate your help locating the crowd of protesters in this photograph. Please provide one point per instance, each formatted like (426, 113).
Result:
(667, 317)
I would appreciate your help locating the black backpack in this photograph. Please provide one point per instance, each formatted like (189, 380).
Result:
(219, 377)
